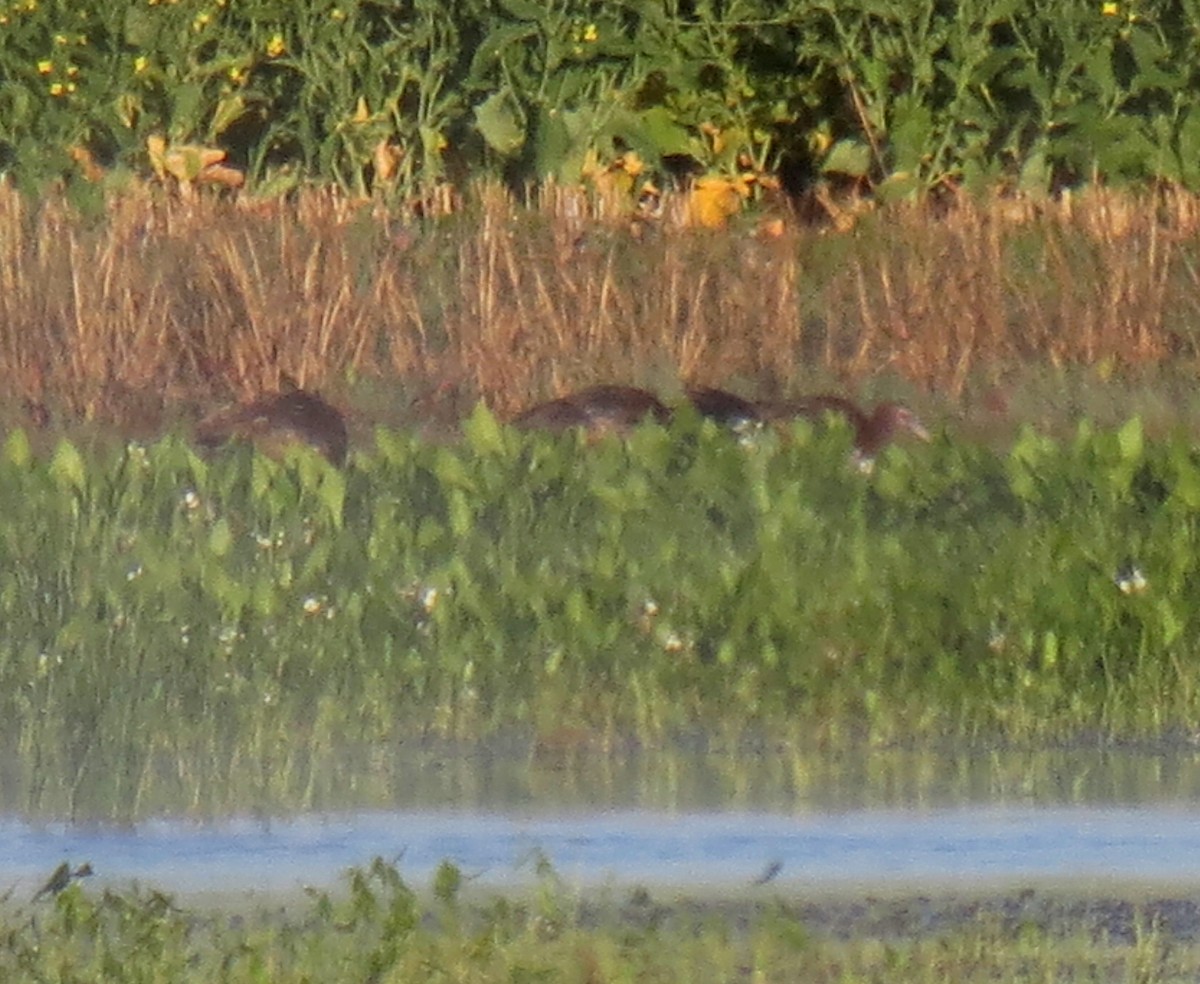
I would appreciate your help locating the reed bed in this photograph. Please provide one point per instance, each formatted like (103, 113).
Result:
(158, 305)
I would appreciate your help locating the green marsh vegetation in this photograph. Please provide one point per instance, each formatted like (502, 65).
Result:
(379, 928)
(181, 630)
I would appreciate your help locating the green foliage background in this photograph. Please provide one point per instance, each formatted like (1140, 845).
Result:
(906, 96)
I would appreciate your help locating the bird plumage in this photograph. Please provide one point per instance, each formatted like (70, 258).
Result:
(276, 421)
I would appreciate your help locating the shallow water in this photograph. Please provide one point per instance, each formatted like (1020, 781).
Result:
(892, 818)
(969, 847)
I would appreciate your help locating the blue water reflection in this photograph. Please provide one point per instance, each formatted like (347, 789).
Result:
(967, 846)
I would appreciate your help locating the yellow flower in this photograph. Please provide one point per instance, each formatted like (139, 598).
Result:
(61, 39)
(237, 75)
(590, 33)
(140, 64)
(72, 71)
(1110, 9)
(57, 89)
(45, 67)
(276, 46)
(337, 14)
(201, 21)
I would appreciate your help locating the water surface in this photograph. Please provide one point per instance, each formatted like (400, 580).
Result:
(895, 817)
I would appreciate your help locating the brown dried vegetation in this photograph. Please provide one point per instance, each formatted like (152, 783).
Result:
(163, 307)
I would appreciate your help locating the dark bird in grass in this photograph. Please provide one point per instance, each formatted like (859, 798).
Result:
(273, 423)
(770, 873)
(872, 431)
(62, 876)
(740, 415)
(597, 409)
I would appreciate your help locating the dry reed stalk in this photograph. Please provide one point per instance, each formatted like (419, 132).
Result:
(188, 299)
(979, 331)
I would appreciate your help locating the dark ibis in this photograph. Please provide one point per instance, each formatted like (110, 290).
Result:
(872, 431)
(597, 409)
(272, 423)
(740, 415)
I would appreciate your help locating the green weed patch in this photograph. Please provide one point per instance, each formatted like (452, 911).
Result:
(175, 622)
(378, 928)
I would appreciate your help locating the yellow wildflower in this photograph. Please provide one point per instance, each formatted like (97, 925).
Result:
(237, 75)
(276, 46)
(337, 14)
(1110, 9)
(140, 64)
(57, 89)
(45, 67)
(61, 39)
(72, 71)
(201, 21)
(590, 33)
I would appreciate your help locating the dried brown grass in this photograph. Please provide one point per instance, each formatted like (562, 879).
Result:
(166, 303)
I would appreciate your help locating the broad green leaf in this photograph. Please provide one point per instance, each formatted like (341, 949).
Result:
(229, 110)
(553, 148)
(332, 492)
(493, 47)
(66, 467)
(462, 516)
(220, 539)
(849, 157)
(1131, 440)
(483, 432)
(911, 133)
(659, 127)
(501, 124)
(17, 450)
(450, 470)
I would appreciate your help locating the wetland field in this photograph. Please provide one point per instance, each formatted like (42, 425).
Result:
(202, 636)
